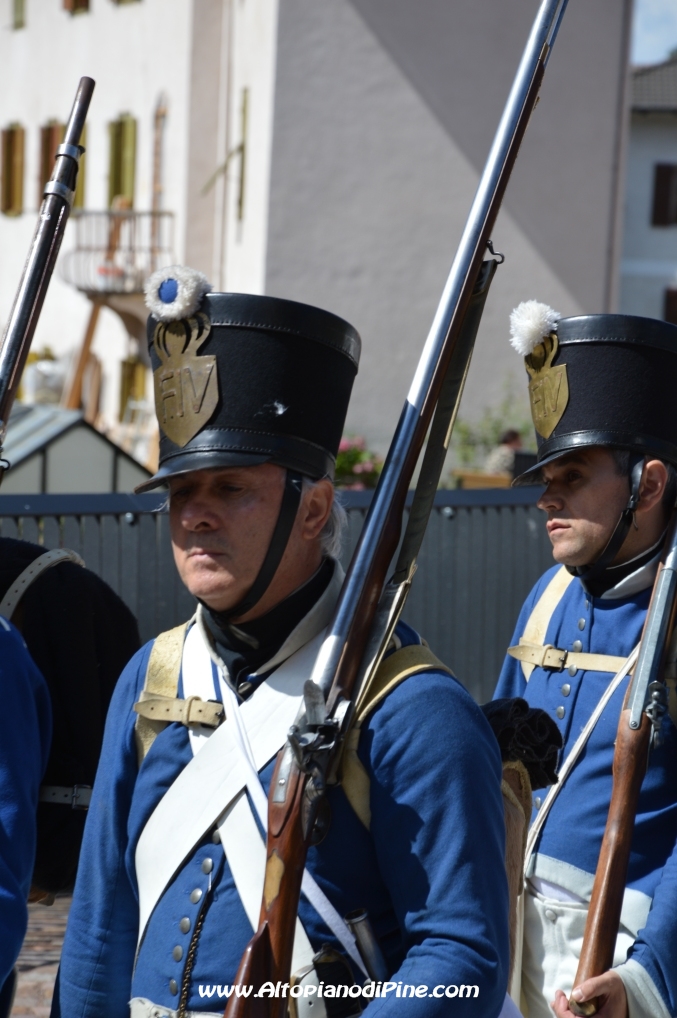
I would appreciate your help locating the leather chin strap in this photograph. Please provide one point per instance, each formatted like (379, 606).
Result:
(291, 499)
(587, 574)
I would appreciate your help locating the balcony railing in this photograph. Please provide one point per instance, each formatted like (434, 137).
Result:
(116, 251)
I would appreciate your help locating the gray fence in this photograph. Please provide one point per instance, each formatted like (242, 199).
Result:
(482, 553)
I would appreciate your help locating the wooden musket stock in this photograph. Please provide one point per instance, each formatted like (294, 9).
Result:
(631, 754)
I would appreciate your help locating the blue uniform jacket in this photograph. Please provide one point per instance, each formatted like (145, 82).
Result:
(25, 735)
(430, 873)
(569, 844)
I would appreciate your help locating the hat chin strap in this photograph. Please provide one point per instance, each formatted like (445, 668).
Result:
(588, 574)
(291, 499)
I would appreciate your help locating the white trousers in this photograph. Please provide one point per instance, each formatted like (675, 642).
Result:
(139, 1007)
(553, 937)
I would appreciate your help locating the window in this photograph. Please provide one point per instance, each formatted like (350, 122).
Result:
(664, 195)
(18, 13)
(122, 161)
(119, 3)
(76, 6)
(12, 186)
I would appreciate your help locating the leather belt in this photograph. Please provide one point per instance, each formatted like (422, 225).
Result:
(77, 796)
(193, 711)
(549, 656)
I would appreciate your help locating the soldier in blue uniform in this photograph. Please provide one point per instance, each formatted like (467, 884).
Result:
(602, 391)
(251, 395)
(25, 733)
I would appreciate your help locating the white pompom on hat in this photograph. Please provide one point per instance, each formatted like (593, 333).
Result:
(530, 323)
(175, 292)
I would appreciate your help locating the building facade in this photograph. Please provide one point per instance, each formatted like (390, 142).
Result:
(649, 266)
(327, 152)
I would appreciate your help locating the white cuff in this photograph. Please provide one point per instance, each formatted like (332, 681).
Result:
(644, 1000)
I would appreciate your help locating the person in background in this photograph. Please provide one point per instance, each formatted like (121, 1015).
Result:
(602, 397)
(501, 459)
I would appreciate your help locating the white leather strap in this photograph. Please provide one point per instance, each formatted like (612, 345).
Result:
(217, 774)
(575, 752)
(36, 568)
(537, 826)
(309, 885)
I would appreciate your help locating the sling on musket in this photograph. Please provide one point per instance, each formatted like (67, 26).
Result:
(58, 193)
(366, 614)
(643, 710)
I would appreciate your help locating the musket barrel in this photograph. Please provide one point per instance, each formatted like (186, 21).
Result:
(366, 575)
(58, 196)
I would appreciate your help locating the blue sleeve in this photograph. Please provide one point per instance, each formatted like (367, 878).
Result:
(511, 681)
(25, 736)
(95, 975)
(438, 829)
(655, 948)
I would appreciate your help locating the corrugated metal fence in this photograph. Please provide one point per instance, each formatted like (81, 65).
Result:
(482, 553)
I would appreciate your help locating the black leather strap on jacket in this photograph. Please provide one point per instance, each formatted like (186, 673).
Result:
(589, 574)
(291, 499)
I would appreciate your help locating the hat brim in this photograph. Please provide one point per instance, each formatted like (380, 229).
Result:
(207, 460)
(533, 474)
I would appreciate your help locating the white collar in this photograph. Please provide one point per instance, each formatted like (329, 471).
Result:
(310, 625)
(633, 583)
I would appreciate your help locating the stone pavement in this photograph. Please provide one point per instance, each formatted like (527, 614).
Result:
(39, 959)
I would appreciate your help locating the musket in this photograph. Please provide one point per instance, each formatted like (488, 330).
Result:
(58, 197)
(644, 707)
(366, 613)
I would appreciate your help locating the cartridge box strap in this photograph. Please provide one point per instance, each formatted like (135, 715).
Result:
(539, 656)
(391, 672)
(30, 574)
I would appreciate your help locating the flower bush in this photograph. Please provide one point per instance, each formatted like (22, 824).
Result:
(356, 467)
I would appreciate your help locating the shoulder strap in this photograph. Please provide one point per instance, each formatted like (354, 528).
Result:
(162, 680)
(36, 568)
(539, 620)
(391, 672)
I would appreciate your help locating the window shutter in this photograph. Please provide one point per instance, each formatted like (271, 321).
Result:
(664, 212)
(19, 14)
(12, 187)
(79, 199)
(128, 167)
(75, 6)
(51, 136)
(122, 165)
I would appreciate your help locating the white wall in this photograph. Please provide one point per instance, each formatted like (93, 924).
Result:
(649, 252)
(134, 52)
(369, 195)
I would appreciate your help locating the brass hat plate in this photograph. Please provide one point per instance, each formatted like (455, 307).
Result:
(548, 386)
(186, 385)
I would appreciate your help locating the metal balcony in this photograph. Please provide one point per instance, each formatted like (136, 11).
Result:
(116, 251)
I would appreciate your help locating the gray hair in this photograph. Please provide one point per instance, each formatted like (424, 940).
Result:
(331, 536)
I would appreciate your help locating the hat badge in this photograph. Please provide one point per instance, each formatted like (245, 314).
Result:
(533, 333)
(186, 385)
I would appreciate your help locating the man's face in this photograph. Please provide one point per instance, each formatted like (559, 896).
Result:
(221, 523)
(584, 498)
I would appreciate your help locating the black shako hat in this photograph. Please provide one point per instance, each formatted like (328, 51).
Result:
(242, 379)
(598, 380)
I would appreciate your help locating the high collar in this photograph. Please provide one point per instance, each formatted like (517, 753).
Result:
(638, 580)
(313, 622)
